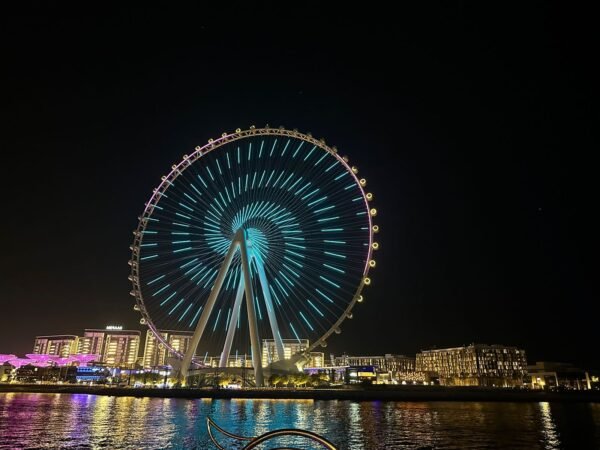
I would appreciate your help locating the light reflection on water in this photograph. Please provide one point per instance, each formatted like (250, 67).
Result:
(80, 421)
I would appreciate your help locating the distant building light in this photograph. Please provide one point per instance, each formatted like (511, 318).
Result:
(114, 327)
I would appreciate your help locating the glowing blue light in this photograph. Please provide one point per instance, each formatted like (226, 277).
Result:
(176, 306)
(155, 280)
(193, 268)
(195, 317)
(273, 148)
(179, 250)
(324, 296)
(319, 200)
(160, 290)
(331, 167)
(168, 298)
(315, 308)
(329, 281)
(327, 219)
(185, 312)
(285, 148)
(298, 149)
(310, 153)
(321, 158)
(210, 173)
(189, 198)
(327, 208)
(331, 230)
(217, 321)
(307, 322)
(294, 330)
(293, 261)
(148, 257)
(337, 255)
(189, 263)
(334, 268)
(202, 180)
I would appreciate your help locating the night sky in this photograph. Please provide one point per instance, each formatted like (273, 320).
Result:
(472, 125)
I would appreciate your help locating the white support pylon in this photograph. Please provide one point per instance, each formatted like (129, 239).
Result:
(245, 284)
(232, 324)
(252, 323)
(270, 311)
(210, 303)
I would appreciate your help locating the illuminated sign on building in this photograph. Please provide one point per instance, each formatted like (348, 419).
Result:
(114, 327)
(366, 374)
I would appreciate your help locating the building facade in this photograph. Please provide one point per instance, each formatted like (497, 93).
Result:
(389, 368)
(116, 347)
(474, 365)
(290, 348)
(556, 375)
(156, 354)
(60, 345)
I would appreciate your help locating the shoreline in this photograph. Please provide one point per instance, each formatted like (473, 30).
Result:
(372, 393)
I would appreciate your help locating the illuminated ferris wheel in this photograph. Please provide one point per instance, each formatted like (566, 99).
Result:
(270, 216)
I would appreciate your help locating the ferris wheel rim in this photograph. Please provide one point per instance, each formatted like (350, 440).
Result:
(186, 162)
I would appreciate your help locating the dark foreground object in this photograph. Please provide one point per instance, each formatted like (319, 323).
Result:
(404, 393)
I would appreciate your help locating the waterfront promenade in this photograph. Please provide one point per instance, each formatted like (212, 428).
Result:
(370, 393)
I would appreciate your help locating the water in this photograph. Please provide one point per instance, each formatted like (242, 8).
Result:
(80, 421)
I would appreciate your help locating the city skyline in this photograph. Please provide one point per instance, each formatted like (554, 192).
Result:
(483, 193)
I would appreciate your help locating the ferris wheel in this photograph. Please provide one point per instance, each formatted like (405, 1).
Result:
(269, 215)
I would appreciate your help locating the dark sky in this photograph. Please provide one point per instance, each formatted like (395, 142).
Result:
(473, 126)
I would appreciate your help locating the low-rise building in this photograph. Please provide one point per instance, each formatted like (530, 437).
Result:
(390, 368)
(551, 375)
(474, 365)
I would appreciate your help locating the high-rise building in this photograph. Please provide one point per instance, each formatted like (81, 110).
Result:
(474, 365)
(60, 345)
(117, 347)
(290, 347)
(92, 342)
(156, 354)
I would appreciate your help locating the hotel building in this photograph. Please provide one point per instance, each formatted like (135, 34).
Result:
(390, 368)
(290, 347)
(474, 365)
(60, 345)
(116, 347)
(156, 354)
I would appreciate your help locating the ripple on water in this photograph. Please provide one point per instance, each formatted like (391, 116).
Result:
(80, 421)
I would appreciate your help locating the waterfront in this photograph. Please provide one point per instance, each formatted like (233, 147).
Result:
(82, 421)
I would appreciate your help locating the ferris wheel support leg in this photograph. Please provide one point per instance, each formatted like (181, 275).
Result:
(252, 323)
(232, 324)
(270, 311)
(210, 303)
